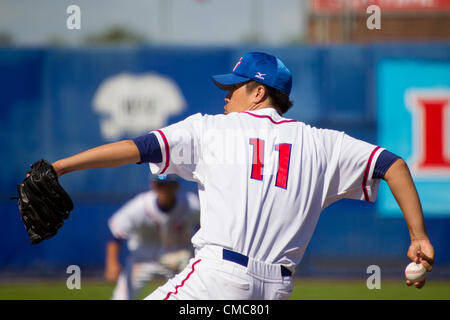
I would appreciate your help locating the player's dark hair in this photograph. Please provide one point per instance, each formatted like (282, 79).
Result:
(279, 99)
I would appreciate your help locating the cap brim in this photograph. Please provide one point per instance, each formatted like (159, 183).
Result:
(224, 81)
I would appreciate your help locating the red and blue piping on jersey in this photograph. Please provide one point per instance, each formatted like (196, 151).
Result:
(268, 117)
(167, 150)
(366, 174)
(182, 282)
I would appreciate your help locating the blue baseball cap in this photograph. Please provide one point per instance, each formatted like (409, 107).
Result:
(261, 67)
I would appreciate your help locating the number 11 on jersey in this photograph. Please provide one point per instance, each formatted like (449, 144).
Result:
(284, 156)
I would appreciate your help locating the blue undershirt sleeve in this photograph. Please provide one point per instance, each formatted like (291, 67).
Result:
(149, 148)
(384, 162)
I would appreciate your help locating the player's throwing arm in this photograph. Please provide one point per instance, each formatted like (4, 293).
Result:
(402, 187)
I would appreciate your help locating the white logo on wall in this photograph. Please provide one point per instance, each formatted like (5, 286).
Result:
(132, 105)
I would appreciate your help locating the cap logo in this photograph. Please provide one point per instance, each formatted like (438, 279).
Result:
(238, 63)
(260, 75)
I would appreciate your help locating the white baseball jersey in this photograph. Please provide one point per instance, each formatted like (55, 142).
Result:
(264, 179)
(151, 232)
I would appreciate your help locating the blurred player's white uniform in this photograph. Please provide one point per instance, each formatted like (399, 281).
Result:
(263, 182)
(151, 233)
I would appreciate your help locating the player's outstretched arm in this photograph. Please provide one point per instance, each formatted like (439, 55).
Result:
(402, 187)
(44, 204)
(106, 156)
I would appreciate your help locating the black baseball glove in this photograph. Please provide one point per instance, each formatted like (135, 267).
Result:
(43, 203)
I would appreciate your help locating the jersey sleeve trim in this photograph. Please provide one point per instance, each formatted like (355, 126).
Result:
(383, 163)
(166, 149)
(149, 148)
(367, 171)
(115, 230)
(112, 237)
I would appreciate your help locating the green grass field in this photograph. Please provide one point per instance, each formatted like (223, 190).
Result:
(305, 289)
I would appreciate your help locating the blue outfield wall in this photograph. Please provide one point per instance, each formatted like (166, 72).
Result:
(48, 111)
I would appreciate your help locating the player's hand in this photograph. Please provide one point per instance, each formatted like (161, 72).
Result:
(421, 251)
(112, 272)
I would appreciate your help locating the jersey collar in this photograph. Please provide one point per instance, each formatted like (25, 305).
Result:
(271, 112)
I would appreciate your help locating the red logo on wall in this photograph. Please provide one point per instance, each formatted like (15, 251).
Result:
(430, 110)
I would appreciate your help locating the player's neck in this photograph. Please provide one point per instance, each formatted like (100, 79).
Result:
(262, 106)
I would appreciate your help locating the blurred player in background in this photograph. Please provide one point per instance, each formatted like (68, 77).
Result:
(157, 225)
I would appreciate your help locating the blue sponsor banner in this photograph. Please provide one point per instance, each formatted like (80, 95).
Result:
(414, 122)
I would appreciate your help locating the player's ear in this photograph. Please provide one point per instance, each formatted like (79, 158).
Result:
(260, 93)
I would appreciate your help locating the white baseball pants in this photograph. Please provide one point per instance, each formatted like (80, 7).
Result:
(208, 276)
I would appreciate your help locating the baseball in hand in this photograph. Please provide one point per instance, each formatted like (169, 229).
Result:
(415, 272)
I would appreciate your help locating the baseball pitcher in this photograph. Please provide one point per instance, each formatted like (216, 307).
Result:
(263, 181)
